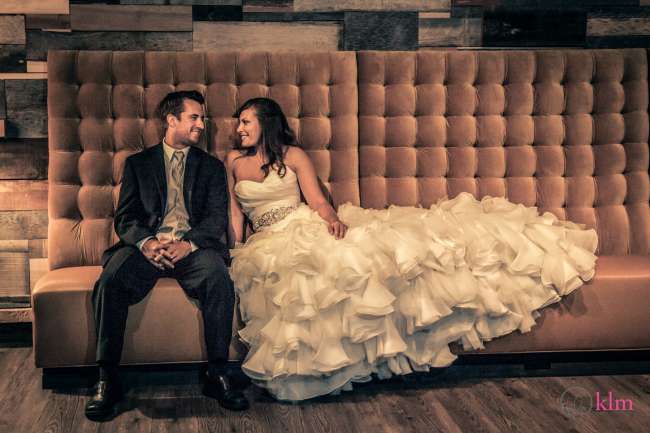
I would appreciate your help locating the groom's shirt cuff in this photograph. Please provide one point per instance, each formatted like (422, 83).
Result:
(141, 243)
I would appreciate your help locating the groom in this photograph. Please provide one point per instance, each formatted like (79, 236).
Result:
(172, 213)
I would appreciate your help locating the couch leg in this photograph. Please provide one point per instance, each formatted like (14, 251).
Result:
(62, 378)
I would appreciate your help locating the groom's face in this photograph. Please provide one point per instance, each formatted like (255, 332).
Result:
(189, 127)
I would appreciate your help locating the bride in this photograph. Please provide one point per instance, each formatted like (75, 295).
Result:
(330, 298)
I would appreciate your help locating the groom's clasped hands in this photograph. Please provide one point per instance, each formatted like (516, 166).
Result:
(165, 254)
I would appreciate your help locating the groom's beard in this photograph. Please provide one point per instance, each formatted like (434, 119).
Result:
(188, 141)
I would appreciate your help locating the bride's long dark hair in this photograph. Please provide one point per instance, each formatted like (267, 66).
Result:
(275, 133)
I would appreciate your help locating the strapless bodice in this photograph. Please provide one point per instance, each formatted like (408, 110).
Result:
(274, 192)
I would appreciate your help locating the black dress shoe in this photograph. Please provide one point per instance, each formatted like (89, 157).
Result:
(221, 388)
(103, 404)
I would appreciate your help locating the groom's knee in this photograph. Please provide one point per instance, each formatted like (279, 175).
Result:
(213, 273)
(211, 263)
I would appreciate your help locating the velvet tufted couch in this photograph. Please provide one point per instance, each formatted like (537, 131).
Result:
(566, 131)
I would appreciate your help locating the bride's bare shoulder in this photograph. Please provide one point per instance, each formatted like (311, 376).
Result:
(231, 157)
(294, 155)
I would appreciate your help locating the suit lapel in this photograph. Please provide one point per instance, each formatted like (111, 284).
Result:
(189, 178)
(160, 176)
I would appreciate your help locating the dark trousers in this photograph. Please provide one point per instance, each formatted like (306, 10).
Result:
(128, 277)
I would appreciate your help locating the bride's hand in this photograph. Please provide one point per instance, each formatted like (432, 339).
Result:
(337, 229)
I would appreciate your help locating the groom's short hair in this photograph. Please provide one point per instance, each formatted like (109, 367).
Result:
(173, 104)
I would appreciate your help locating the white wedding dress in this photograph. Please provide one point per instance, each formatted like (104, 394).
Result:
(405, 282)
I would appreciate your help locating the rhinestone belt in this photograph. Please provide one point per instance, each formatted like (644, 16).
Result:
(272, 217)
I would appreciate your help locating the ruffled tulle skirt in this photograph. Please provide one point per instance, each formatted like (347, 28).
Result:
(403, 284)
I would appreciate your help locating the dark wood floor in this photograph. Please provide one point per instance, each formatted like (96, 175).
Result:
(444, 403)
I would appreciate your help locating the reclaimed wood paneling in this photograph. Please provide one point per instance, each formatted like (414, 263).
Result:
(370, 5)
(266, 36)
(505, 28)
(293, 16)
(467, 12)
(268, 3)
(619, 22)
(23, 159)
(12, 58)
(23, 76)
(37, 248)
(268, 6)
(37, 268)
(26, 108)
(15, 315)
(453, 32)
(47, 22)
(476, 3)
(14, 268)
(99, 17)
(34, 67)
(381, 31)
(34, 7)
(216, 13)
(183, 2)
(618, 41)
(14, 246)
(12, 29)
(3, 106)
(544, 4)
(15, 301)
(23, 224)
(166, 41)
(618, 27)
(434, 15)
(23, 195)
(39, 42)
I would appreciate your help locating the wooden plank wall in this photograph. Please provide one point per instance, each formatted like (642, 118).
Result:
(28, 28)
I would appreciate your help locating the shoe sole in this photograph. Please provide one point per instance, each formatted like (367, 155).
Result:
(221, 403)
(99, 416)
(102, 416)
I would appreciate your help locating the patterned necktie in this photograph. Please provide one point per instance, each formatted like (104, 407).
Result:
(177, 167)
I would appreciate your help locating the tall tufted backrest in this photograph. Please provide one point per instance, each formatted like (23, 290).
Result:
(101, 110)
(566, 131)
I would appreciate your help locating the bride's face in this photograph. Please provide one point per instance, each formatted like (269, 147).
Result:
(249, 129)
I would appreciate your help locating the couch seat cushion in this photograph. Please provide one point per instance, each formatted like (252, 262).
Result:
(611, 312)
(165, 327)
